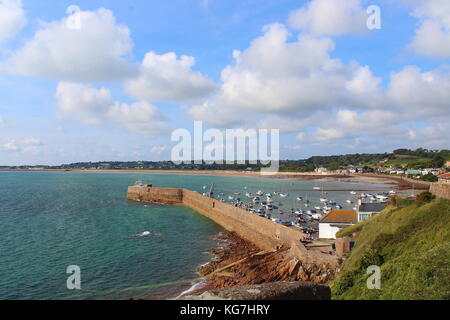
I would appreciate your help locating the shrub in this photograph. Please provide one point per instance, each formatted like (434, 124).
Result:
(344, 282)
(371, 258)
(424, 197)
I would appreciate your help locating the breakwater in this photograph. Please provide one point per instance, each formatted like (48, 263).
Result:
(440, 190)
(265, 234)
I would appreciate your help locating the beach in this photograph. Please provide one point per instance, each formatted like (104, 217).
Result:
(401, 182)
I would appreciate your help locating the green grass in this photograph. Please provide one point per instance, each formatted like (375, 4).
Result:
(411, 245)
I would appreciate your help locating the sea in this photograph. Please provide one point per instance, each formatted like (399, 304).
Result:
(52, 221)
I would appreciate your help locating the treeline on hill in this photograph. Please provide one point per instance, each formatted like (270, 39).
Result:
(403, 158)
(422, 158)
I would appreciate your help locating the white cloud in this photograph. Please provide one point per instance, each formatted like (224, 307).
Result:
(27, 145)
(12, 18)
(32, 145)
(419, 93)
(348, 125)
(330, 17)
(168, 78)
(33, 142)
(94, 106)
(432, 38)
(95, 52)
(158, 150)
(140, 117)
(277, 76)
(11, 146)
(87, 105)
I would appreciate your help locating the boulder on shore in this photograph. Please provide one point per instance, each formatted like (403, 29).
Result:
(281, 290)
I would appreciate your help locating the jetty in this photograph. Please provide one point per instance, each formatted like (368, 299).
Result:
(265, 234)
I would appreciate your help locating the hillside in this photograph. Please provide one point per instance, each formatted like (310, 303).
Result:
(411, 245)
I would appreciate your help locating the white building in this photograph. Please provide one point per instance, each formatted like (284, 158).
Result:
(367, 210)
(322, 170)
(335, 221)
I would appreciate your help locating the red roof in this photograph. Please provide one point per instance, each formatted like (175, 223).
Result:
(340, 216)
(445, 176)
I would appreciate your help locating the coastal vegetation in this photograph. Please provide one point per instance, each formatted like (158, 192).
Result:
(410, 242)
(402, 158)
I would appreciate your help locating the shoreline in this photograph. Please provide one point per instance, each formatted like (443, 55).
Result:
(239, 263)
(402, 183)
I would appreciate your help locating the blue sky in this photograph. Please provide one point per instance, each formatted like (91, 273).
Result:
(117, 87)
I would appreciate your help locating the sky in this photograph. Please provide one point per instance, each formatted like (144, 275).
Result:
(111, 80)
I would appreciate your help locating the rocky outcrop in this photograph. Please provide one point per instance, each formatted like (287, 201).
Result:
(241, 263)
(281, 290)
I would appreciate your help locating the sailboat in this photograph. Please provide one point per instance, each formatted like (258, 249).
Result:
(323, 199)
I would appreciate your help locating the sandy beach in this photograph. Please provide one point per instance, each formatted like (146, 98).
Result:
(401, 182)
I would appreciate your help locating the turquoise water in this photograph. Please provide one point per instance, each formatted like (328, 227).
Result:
(49, 221)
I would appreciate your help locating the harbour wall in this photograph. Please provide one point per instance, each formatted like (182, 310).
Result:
(440, 190)
(264, 233)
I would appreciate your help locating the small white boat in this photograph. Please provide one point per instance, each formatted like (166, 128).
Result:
(317, 216)
(299, 199)
(248, 195)
(260, 193)
(349, 201)
(323, 200)
(284, 195)
(353, 192)
(230, 198)
(316, 188)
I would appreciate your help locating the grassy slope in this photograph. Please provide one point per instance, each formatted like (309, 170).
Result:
(412, 247)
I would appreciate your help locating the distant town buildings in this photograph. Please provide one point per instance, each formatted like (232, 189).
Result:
(321, 170)
(444, 178)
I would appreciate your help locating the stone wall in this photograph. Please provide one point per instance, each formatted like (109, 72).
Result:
(440, 190)
(155, 195)
(264, 233)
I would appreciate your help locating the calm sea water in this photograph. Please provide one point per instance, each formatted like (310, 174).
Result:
(49, 221)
